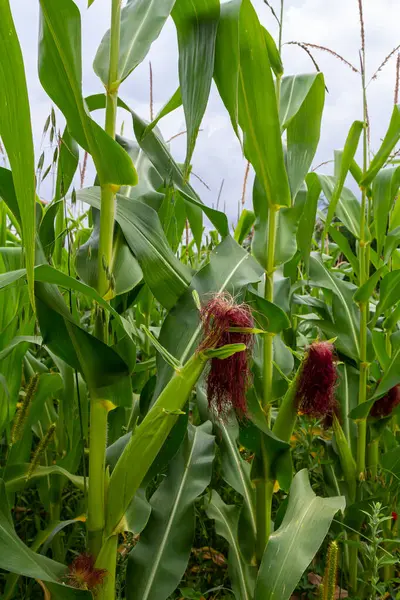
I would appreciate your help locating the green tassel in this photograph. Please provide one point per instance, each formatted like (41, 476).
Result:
(23, 410)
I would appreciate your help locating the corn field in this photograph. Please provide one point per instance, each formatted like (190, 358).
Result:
(190, 408)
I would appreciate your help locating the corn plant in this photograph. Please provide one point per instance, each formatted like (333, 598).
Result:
(140, 348)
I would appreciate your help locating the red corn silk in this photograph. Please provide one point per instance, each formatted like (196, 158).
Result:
(83, 575)
(228, 378)
(385, 405)
(315, 395)
(394, 516)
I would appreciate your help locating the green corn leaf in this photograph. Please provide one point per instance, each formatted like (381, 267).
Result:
(16, 133)
(60, 72)
(347, 207)
(304, 126)
(347, 461)
(347, 395)
(224, 351)
(365, 291)
(389, 293)
(16, 474)
(125, 269)
(247, 89)
(243, 228)
(349, 151)
(345, 313)
(269, 315)
(379, 342)
(389, 142)
(17, 558)
(361, 412)
(345, 248)
(391, 321)
(173, 103)
(384, 190)
(141, 24)
(157, 563)
(390, 461)
(305, 229)
(226, 520)
(47, 232)
(68, 161)
(148, 439)
(106, 373)
(258, 113)
(157, 152)
(47, 274)
(162, 271)
(294, 91)
(196, 25)
(391, 376)
(230, 269)
(167, 356)
(288, 220)
(20, 339)
(391, 243)
(226, 72)
(273, 54)
(235, 470)
(294, 544)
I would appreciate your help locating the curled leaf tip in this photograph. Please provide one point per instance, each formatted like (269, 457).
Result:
(228, 378)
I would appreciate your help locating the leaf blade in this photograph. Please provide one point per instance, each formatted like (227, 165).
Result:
(292, 547)
(16, 133)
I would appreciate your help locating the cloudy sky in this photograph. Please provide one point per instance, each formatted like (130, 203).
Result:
(331, 23)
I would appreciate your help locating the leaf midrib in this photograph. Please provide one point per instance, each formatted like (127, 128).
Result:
(161, 547)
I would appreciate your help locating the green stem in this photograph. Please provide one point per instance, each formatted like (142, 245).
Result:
(269, 295)
(364, 257)
(3, 223)
(362, 394)
(59, 236)
(280, 28)
(265, 486)
(96, 496)
(108, 560)
(364, 274)
(373, 457)
(353, 558)
(99, 408)
(107, 213)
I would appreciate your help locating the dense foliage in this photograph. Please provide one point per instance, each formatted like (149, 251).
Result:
(188, 411)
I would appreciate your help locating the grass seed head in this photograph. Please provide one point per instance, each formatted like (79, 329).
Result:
(40, 449)
(23, 410)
